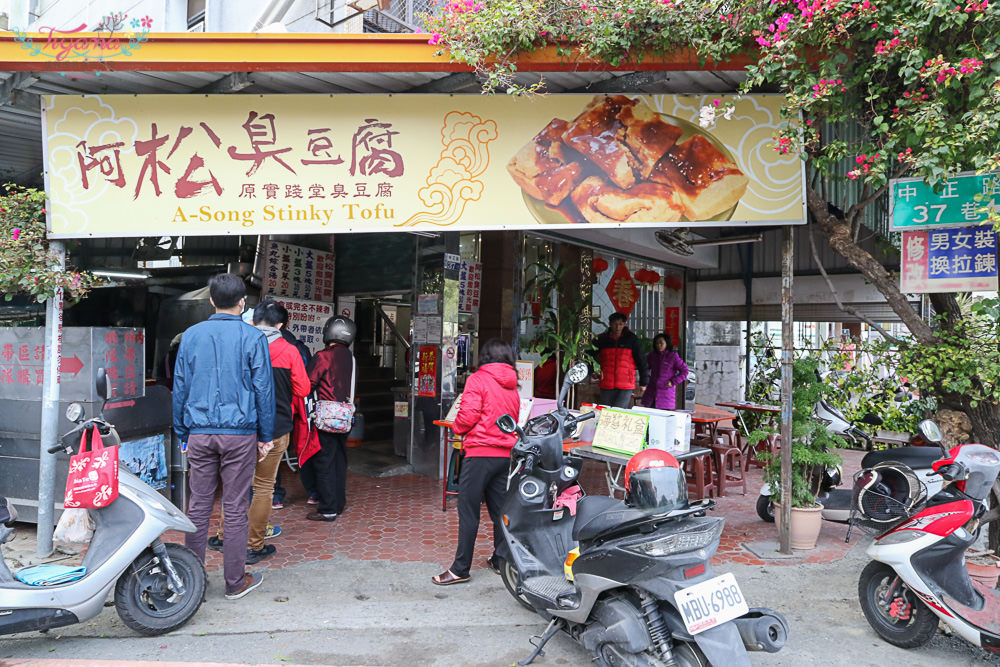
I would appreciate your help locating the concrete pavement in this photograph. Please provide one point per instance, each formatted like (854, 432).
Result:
(348, 612)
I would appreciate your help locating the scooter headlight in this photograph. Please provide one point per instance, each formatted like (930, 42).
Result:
(699, 536)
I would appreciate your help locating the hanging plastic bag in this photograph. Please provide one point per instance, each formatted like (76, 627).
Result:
(92, 481)
(75, 525)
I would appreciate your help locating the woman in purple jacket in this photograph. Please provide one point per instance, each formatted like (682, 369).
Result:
(666, 371)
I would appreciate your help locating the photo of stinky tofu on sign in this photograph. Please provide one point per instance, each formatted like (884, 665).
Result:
(620, 161)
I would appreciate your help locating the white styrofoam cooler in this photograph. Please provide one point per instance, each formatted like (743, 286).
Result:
(668, 429)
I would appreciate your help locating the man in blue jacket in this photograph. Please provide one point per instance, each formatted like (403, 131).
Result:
(225, 425)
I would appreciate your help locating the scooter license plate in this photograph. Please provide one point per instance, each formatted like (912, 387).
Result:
(711, 603)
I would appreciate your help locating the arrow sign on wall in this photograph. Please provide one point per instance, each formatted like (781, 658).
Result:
(70, 365)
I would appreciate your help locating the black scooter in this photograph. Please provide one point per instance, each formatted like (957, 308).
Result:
(633, 586)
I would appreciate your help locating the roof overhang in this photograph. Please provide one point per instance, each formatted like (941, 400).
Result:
(304, 52)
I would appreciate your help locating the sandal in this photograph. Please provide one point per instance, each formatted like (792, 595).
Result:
(446, 578)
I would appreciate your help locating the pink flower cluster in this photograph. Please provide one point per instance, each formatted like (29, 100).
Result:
(886, 46)
(972, 6)
(945, 70)
(827, 86)
(864, 163)
(776, 29)
(16, 234)
(463, 6)
(905, 156)
(784, 144)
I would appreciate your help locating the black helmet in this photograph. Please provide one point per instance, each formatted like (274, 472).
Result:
(339, 329)
(888, 492)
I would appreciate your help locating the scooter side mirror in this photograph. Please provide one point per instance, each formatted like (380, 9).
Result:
(506, 424)
(578, 373)
(101, 384)
(930, 431)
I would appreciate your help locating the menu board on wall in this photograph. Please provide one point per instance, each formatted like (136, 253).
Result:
(298, 272)
(470, 276)
(306, 320)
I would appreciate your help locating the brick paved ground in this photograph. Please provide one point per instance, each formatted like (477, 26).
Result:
(400, 519)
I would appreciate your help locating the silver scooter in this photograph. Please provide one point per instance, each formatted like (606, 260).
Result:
(157, 587)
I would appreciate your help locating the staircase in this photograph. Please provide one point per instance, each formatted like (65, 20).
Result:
(374, 393)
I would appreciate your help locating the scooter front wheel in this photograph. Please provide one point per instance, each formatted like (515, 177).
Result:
(904, 620)
(509, 575)
(145, 598)
(765, 508)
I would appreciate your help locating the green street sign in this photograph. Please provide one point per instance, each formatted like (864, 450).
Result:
(963, 201)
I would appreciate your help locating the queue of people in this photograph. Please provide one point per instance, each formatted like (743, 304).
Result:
(238, 393)
(238, 403)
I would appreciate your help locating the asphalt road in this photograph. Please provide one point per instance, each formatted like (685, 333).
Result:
(342, 612)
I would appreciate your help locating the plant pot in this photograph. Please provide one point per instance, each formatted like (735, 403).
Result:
(806, 524)
(984, 568)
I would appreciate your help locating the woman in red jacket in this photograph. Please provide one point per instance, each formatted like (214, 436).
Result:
(489, 393)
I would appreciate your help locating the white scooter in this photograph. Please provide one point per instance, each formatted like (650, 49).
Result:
(158, 587)
(918, 573)
(837, 502)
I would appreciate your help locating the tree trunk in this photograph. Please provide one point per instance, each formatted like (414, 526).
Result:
(838, 233)
(985, 417)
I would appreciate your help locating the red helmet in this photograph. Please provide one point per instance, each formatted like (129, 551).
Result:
(654, 481)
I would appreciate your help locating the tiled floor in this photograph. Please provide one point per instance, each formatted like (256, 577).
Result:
(400, 519)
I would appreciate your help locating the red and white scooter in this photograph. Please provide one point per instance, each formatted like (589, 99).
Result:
(918, 572)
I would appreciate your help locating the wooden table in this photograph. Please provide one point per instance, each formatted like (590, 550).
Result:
(616, 462)
(705, 414)
(740, 406)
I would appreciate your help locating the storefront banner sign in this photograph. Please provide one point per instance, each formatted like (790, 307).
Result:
(525, 378)
(470, 277)
(673, 324)
(427, 376)
(298, 272)
(142, 165)
(964, 200)
(949, 260)
(306, 320)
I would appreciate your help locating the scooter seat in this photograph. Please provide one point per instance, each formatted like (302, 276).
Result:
(914, 457)
(598, 514)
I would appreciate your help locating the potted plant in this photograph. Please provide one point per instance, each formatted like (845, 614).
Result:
(564, 330)
(813, 449)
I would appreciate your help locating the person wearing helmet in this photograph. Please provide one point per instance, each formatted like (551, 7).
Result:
(490, 393)
(330, 374)
(654, 482)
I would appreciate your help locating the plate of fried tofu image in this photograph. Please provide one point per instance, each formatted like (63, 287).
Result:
(620, 161)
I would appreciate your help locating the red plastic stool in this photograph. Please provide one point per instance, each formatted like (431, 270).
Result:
(729, 473)
(700, 475)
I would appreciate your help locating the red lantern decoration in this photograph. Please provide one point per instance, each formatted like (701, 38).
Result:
(673, 282)
(600, 265)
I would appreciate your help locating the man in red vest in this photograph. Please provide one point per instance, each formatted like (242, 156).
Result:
(620, 356)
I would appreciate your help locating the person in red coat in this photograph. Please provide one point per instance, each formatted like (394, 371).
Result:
(490, 393)
(620, 356)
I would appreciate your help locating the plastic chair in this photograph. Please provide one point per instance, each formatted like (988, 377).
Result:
(700, 474)
(729, 473)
